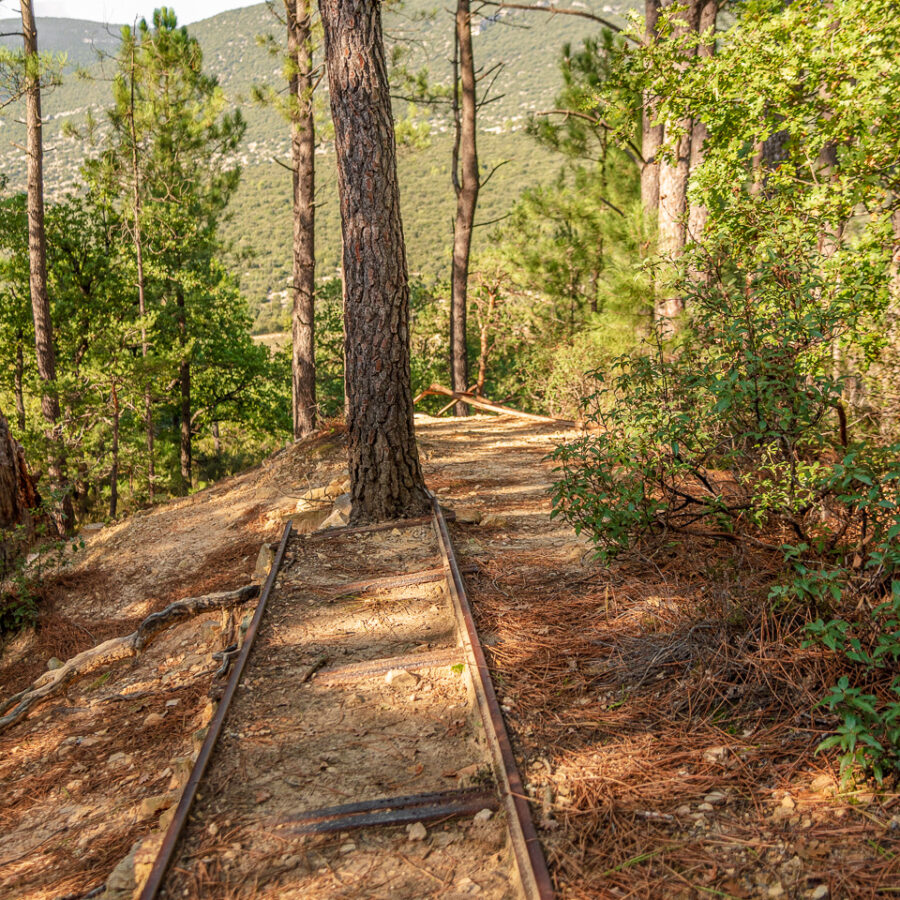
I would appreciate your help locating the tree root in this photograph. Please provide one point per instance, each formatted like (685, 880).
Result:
(118, 648)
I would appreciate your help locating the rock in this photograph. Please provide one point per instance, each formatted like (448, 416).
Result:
(820, 893)
(483, 815)
(118, 759)
(165, 819)
(128, 878)
(349, 847)
(181, 772)
(150, 806)
(683, 810)
(338, 486)
(493, 520)
(309, 521)
(716, 755)
(264, 562)
(400, 679)
(775, 890)
(54, 663)
(172, 702)
(705, 807)
(340, 514)
(716, 797)
(465, 515)
(152, 720)
(417, 831)
(74, 786)
(788, 801)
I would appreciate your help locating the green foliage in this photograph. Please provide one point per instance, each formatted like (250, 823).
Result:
(26, 559)
(739, 430)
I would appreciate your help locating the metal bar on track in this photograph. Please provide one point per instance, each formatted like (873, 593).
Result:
(176, 826)
(532, 866)
(409, 801)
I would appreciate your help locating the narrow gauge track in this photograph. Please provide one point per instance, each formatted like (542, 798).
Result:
(357, 709)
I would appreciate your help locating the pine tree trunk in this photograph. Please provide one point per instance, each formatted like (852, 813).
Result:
(37, 260)
(385, 475)
(141, 283)
(184, 381)
(303, 145)
(651, 135)
(698, 213)
(18, 495)
(467, 183)
(673, 185)
(114, 470)
(18, 383)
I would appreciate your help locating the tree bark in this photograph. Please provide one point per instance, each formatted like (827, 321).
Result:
(385, 476)
(184, 381)
(673, 184)
(651, 135)
(303, 363)
(37, 261)
(18, 496)
(697, 214)
(141, 282)
(466, 182)
(114, 470)
(18, 383)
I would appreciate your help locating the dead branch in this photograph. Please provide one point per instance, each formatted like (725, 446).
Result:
(118, 648)
(490, 406)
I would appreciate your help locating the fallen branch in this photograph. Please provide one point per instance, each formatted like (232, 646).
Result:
(118, 648)
(490, 406)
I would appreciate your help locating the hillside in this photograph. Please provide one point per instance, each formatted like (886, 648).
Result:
(526, 44)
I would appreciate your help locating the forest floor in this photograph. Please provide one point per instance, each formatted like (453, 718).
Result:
(661, 720)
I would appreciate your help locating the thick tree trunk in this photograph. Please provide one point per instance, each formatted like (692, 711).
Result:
(698, 213)
(18, 496)
(651, 135)
(37, 260)
(466, 181)
(385, 475)
(303, 146)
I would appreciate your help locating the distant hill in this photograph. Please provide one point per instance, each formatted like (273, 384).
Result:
(527, 44)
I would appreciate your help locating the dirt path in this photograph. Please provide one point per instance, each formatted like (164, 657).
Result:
(661, 724)
(380, 720)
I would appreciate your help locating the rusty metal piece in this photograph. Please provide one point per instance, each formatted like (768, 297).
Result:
(529, 856)
(391, 811)
(176, 826)
(355, 671)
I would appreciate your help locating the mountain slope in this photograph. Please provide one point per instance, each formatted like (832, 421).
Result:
(524, 47)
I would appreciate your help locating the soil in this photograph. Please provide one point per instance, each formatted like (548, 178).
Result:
(662, 724)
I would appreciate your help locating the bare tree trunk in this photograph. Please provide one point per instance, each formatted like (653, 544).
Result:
(184, 381)
(18, 496)
(37, 260)
(698, 213)
(466, 182)
(141, 282)
(651, 135)
(18, 385)
(303, 362)
(114, 470)
(673, 184)
(385, 476)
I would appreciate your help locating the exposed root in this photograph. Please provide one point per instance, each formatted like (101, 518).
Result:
(118, 648)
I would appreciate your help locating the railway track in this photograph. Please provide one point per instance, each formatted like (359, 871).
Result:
(358, 749)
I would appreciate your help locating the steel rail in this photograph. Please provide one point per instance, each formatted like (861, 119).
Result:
(176, 826)
(532, 867)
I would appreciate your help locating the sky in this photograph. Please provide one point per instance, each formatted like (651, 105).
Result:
(119, 12)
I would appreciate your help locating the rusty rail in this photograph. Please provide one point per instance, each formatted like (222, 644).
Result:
(530, 862)
(176, 826)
